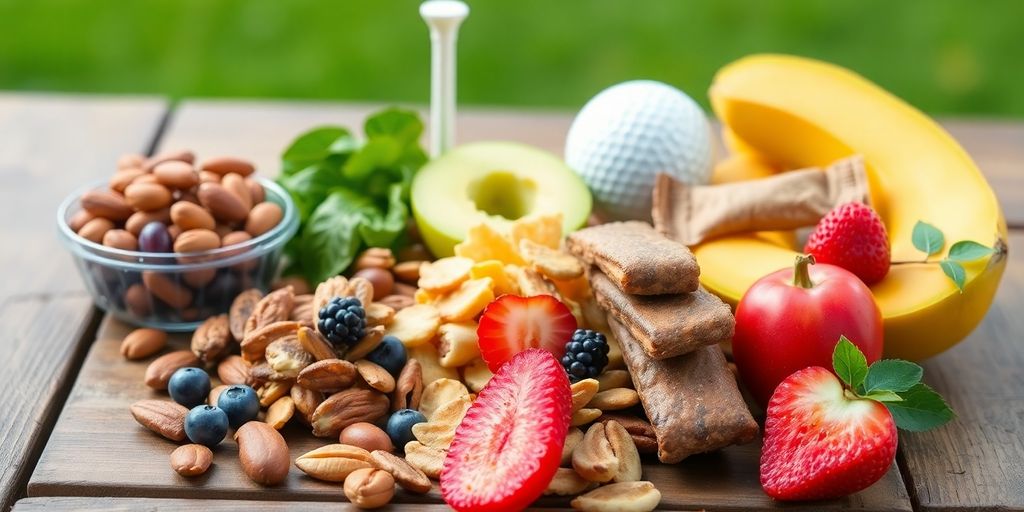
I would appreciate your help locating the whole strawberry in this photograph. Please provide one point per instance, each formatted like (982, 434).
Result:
(852, 236)
(825, 438)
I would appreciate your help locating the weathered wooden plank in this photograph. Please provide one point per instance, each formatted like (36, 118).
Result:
(158, 505)
(50, 145)
(977, 461)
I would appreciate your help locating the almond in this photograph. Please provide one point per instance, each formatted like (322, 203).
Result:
(236, 184)
(176, 174)
(196, 240)
(161, 416)
(138, 220)
(615, 399)
(327, 374)
(188, 216)
(241, 309)
(142, 343)
(408, 387)
(620, 497)
(161, 369)
(410, 478)
(147, 196)
(572, 440)
(129, 160)
(280, 412)
(120, 239)
(121, 179)
(222, 203)
(183, 155)
(287, 357)
(211, 339)
(306, 401)
(166, 289)
(227, 164)
(234, 238)
(78, 219)
(255, 344)
(334, 462)
(347, 407)
(262, 218)
(233, 370)
(375, 376)
(315, 344)
(96, 229)
(263, 453)
(138, 300)
(302, 311)
(191, 459)
(207, 177)
(275, 307)
(364, 346)
(106, 204)
(214, 396)
(362, 289)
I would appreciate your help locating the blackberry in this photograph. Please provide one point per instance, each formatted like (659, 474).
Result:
(586, 355)
(342, 321)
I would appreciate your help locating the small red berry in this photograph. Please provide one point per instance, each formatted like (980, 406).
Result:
(853, 237)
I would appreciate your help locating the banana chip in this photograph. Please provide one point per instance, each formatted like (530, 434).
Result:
(467, 302)
(476, 375)
(445, 274)
(440, 430)
(438, 393)
(415, 325)
(495, 270)
(430, 363)
(483, 243)
(543, 229)
(458, 344)
(552, 263)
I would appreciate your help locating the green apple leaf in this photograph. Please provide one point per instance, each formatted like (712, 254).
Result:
(927, 238)
(892, 375)
(849, 363)
(954, 271)
(968, 250)
(921, 409)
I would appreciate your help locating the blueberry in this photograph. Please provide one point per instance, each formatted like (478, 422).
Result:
(240, 403)
(206, 425)
(390, 355)
(189, 386)
(400, 424)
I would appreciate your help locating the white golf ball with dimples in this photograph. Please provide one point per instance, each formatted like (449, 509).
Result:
(630, 132)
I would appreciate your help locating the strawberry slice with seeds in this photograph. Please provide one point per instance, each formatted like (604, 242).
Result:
(512, 324)
(509, 445)
(821, 442)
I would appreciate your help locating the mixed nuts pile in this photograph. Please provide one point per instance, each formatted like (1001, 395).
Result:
(346, 393)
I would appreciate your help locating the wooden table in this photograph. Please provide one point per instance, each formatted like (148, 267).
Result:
(62, 387)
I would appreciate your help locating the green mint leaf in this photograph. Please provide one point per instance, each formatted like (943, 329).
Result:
(921, 409)
(330, 239)
(849, 363)
(927, 238)
(383, 229)
(404, 126)
(968, 250)
(892, 375)
(954, 271)
(314, 146)
(883, 396)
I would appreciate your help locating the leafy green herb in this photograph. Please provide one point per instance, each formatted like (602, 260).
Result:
(350, 194)
(849, 363)
(893, 382)
(954, 271)
(929, 240)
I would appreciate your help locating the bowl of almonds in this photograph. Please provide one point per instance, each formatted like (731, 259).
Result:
(170, 240)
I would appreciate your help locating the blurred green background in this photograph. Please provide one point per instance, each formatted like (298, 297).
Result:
(945, 56)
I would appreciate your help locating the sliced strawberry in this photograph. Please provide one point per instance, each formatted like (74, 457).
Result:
(509, 445)
(820, 442)
(512, 324)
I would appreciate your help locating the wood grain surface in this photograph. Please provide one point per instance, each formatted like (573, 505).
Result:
(977, 461)
(175, 505)
(50, 145)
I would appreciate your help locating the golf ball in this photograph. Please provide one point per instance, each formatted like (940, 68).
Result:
(630, 132)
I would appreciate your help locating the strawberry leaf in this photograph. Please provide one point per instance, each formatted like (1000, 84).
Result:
(921, 409)
(849, 363)
(883, 396)
(892, 375)
(927, 238)
(954, 271)
(968, 250)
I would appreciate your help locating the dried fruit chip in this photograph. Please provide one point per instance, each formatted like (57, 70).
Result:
(543, 229)
(415, 325)
(430, 362)
(439, 393)
(476, 375)
(495, 270)
(483, 243)
(551, 263)
(466, 302)
(457, 344)
(445, 274)
(440, 430)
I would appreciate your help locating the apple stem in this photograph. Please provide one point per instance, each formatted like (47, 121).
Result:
(801, 277)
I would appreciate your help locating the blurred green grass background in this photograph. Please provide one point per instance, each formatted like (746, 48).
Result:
(945, 56)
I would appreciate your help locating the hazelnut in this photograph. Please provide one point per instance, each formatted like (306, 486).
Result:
(369, 487)
(366, 436)
(382, 280)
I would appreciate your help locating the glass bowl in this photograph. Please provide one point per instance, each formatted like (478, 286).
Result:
(171, 291)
